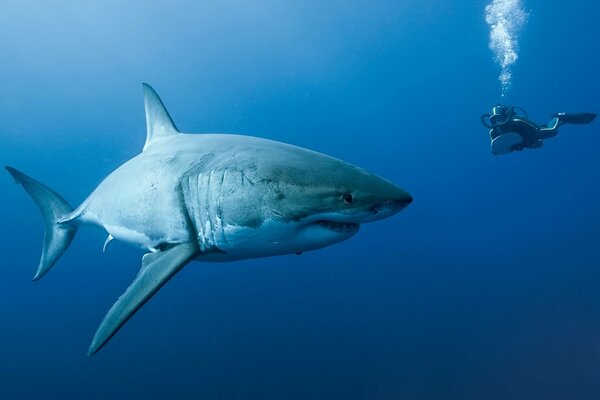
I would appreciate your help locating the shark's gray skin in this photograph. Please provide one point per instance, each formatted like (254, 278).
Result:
(212, 197)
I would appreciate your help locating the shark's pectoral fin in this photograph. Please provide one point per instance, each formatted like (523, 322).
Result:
(157, 269)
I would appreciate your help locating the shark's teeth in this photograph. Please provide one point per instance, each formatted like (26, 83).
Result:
(338, 226)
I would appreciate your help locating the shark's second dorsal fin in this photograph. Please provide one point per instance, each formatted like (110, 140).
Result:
(158, 121)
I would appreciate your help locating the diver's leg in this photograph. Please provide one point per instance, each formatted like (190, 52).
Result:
(554, 123)
(551, 129)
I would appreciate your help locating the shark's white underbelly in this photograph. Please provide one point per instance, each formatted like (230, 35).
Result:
(140, 204)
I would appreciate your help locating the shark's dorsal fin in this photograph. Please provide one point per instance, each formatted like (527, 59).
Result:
(158, 121)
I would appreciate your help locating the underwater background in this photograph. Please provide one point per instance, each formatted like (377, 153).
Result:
(486, 287)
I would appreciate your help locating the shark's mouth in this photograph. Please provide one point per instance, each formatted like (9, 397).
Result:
(338, 226)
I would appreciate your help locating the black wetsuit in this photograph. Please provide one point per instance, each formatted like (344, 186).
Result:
(504, 120)
(530, 132)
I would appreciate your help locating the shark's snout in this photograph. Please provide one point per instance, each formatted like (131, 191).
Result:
(402, 201)
(392, 206)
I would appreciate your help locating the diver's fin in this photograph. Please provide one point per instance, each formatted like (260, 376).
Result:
(578, 118)
(158, 121)
(57, 236)
(156, 270)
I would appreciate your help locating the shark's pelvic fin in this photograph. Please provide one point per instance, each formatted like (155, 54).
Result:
(158, 121)
(156, 270)
(58, 235)
(108, 240)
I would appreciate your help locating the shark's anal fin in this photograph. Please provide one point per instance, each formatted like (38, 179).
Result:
(156, 271)
(158, 121)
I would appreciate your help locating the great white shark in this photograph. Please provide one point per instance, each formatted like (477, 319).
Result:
(211, 197)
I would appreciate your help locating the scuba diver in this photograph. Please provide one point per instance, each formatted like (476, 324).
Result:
(511, 130)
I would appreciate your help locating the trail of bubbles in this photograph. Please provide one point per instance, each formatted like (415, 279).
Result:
(505, 18)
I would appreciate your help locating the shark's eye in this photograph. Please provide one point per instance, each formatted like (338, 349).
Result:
(347, 197)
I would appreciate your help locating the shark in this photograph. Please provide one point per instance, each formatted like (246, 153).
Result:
(214, 198)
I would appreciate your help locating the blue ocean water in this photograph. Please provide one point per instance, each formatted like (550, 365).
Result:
(486, 287)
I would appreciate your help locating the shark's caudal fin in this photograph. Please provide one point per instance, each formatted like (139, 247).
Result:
(58, 236)
(158, 121)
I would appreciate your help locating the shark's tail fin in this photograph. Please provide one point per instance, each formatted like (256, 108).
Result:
(58, 236)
